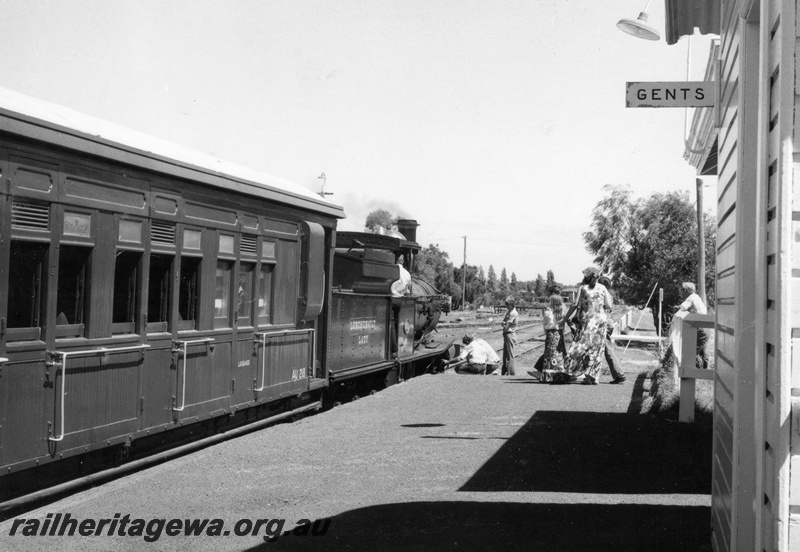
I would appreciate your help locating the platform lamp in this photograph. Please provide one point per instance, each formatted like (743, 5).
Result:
(639, 26)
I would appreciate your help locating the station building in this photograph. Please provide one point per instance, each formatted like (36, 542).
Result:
(751, 140)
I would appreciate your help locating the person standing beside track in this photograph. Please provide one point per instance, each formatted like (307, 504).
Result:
(509, 337)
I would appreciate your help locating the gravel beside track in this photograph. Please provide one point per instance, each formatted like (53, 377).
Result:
(440, 462)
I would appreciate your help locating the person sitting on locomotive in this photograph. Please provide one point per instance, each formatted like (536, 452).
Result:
(476, 357)
(399, 289)
(400, 286)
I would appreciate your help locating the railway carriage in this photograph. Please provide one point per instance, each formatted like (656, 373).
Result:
(151, 295)
(144, 287)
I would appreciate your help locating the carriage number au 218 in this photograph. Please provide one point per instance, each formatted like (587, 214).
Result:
(298, 373)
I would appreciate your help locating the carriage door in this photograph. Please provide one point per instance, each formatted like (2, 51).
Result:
(284, 351)
(244, 317)
(26, 254)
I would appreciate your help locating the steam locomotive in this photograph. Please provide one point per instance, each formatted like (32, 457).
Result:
(150, 295)
(367, 322)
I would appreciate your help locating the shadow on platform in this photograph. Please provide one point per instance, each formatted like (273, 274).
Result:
(499, 526)
(575, 453)
(606, 453)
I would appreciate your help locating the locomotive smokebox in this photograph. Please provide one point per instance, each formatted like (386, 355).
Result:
(408, 227)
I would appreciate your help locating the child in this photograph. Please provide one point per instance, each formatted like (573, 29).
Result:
(551, 363)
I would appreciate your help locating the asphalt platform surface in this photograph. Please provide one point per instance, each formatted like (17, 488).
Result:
(440, 462)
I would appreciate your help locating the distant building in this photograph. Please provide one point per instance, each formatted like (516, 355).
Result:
(569, 294)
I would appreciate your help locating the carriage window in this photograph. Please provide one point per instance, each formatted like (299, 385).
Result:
(25, 288)
(73, 285)
(189, 293)
(159, 292)
(126, 271)
(244, 308)
(265, 294)
(222, 295)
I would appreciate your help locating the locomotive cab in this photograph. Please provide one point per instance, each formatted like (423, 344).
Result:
(381, 332)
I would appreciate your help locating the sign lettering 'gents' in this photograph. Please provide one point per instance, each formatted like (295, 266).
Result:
(669, 94)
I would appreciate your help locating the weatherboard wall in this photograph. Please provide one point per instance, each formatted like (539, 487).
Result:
(725, 354)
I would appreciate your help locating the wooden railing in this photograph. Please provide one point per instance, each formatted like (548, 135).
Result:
(683, 335)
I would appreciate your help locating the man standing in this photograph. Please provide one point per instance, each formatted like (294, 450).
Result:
(509, 337)
(694, 304)
(617, 375)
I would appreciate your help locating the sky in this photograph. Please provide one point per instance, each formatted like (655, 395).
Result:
(498, 120)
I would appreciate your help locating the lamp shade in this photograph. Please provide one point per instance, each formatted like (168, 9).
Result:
(639, 27)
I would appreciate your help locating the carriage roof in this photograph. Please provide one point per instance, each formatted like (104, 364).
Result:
(39, 120)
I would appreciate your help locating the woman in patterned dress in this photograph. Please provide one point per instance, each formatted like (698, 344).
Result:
(586, 352)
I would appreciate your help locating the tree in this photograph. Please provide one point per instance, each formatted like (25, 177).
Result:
(551, 286)
(514, 284)
(538, 286)
(491, 281)
(380, 217)
(658, 244)
(614, 228)
(434, 265)
(473, 284)
(503, 283)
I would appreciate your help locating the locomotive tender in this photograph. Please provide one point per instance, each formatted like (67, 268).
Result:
(146, 288)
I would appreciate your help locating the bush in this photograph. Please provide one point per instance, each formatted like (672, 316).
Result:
(664, 395)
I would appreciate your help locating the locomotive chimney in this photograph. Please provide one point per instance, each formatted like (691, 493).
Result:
(408, 227)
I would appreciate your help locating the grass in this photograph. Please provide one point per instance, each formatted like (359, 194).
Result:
(663, 399)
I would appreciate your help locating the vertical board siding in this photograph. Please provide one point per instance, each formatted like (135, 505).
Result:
(772, 434)
(725, 385)
(25, 387)
(157, 387)
(789, 266)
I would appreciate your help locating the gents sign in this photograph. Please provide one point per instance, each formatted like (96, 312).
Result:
(670, 94)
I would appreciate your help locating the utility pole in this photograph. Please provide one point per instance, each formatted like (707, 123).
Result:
(701, 243)
(464, 276)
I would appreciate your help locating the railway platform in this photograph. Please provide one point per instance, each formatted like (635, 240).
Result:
(439, 462)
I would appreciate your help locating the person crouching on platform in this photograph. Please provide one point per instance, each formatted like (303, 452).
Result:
(476, 357)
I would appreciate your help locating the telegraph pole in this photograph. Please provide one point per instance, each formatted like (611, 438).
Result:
(464, 276)
(701, 243)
